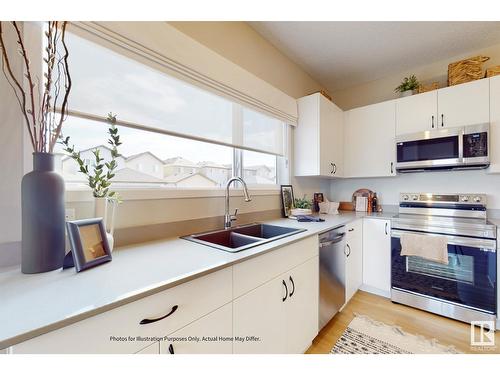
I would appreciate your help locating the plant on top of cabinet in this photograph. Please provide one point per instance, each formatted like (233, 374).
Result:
(408, 86)
(43, 102)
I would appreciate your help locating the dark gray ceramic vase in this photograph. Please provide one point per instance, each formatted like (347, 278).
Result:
(43, 224)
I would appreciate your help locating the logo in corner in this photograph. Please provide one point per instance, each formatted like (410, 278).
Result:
(485, 336)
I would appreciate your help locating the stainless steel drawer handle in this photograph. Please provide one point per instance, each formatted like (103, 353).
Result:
(349, 253)
(149, 321)
(333, 241)
(171, 349)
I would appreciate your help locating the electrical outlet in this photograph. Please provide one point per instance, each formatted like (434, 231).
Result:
(70, 214)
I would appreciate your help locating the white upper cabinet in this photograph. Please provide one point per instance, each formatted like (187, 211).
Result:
(465, 104)
(318, 146)
(370, 141)
(494, 149)
(417, 113)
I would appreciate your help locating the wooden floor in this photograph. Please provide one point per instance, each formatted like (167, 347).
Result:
(414, 321)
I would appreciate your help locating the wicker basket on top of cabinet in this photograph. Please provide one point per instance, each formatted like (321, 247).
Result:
(466, 70)
(493, 71)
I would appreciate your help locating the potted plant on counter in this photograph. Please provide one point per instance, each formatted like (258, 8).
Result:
(44, 106)
(408, 87)
(302, 206)
(100, 174)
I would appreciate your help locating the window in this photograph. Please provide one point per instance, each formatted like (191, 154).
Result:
(182, 160)
(173, 134)
(259, 168)
(139, 94)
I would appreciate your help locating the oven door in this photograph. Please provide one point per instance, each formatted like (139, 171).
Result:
(436, 149)
(468, 279)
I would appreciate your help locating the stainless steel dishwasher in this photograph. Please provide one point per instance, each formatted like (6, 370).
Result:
(331, 274)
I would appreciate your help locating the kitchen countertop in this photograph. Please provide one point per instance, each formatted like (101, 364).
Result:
(36, 304)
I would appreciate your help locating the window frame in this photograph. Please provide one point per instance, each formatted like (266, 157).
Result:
(80, 194)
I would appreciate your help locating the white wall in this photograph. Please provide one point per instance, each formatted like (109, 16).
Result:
(388, 189)
(383, 89)
(11, 159)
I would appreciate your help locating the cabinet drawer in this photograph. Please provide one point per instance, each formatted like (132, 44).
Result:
(97, 334)
(250, 274)
(354, 229)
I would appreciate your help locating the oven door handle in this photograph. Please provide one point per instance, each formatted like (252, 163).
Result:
(481, 243)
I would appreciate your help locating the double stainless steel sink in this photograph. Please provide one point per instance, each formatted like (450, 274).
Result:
(242, 237)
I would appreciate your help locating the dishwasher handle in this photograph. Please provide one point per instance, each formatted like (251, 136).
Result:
(333, 241)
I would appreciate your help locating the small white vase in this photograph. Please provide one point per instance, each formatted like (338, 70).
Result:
(407, 93)
(106, 208)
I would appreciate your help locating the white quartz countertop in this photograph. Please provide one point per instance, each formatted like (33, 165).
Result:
(32, 305)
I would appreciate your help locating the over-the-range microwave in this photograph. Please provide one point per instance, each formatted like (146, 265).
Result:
(465, 147)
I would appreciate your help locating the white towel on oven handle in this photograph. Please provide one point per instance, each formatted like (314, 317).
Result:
(434, 248)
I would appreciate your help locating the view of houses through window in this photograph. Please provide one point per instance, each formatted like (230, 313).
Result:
(152, 160)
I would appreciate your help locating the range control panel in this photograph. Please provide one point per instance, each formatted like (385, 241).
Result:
(475, 199)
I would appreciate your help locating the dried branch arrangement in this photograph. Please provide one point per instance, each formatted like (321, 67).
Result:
(44, 105)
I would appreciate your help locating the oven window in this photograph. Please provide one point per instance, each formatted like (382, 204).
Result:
(428, 149)
(460, 268)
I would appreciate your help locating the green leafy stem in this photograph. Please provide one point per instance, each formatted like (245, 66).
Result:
(99, 177)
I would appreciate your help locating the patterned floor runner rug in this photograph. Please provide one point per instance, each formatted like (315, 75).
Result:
(367, 336)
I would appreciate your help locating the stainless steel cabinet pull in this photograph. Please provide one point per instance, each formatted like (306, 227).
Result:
(333, 168)
(442, 119)
(386, 229)
(433, 121)
(392, 167)
(349, 253)
(293, 286)
(171, 349)
(286, 291)
(149, 321)
(351, 230)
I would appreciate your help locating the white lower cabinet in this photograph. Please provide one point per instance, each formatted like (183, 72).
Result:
(301, 306)
(267, 304)
(280, 316)
(377, 256)
(259, 315)
(119, 331)
(354, 258)
(211, 334)
(151, 349)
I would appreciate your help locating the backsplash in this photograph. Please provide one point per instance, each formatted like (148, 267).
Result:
(388, 189)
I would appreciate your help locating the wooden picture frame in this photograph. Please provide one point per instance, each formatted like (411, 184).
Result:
(89, 243)
(287, 200)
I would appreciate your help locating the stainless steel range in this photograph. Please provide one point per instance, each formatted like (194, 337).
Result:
(463, 289)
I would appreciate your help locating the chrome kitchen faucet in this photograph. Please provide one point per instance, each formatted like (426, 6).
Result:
(228, 218)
